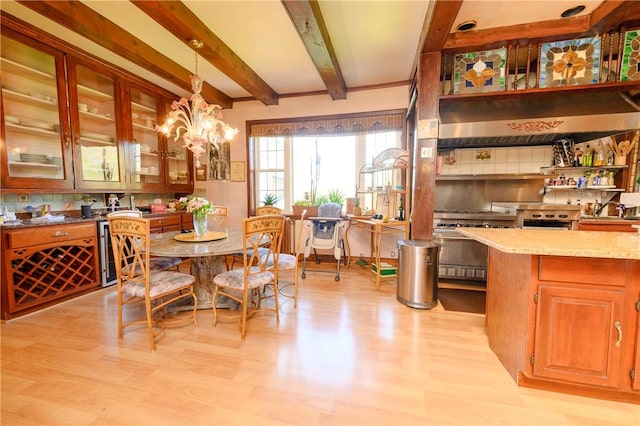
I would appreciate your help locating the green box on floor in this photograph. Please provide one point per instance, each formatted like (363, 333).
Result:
(385, 268)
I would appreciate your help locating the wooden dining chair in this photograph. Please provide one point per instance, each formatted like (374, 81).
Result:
(157, 263)
(218, 220)
(288, 264)
(264, 210)
(260, 211)
(138, 285)
(243, 284)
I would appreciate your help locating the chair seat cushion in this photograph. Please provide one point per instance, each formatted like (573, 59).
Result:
(161, 282)
(235, 278)
(286, 262)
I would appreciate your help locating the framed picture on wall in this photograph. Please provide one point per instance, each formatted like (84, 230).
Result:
(219, 161)
(201, 172)
(237, 171)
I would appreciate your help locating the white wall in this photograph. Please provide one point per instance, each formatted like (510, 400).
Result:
(234, 194)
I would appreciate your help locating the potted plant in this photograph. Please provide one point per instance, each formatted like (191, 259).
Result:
(301, 205)
(270, 199)
(336, 196)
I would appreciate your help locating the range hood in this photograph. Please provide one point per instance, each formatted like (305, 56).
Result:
(535, 131)
(538, 116)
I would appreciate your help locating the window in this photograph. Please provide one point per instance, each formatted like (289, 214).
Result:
(307, 162)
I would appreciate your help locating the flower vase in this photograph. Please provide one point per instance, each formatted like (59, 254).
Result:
(199, 225)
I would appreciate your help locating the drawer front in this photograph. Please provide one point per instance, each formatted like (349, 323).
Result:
(51, 234)
(583, 270)
(163, 221)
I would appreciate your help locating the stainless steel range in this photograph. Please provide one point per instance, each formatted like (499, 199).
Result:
(460, 257)
(463, 258)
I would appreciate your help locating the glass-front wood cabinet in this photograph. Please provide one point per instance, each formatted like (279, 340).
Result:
(97, 151)
(69, 122)
(35, 126)
(155, 161)
(145, 151)
(178, 160)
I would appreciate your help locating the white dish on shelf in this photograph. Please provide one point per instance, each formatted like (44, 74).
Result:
(37, 124)
(11, 119)
(98, 136)
(41, 96)
(601, 187)
(16, 90)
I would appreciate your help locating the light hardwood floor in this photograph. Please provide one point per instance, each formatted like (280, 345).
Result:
(348, 355)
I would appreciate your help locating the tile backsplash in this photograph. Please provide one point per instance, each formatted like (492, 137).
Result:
(474, 161)
(24, 203)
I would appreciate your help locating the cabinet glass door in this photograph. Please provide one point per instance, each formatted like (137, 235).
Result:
(179, 162)
(31, 113)
(97, 152)
(146, 153)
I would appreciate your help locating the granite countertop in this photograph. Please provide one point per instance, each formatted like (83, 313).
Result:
(71, 219)
(614, 245)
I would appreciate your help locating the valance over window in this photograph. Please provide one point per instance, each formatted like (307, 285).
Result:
(382, 122)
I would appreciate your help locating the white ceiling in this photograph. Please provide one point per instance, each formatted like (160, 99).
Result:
(376, 41)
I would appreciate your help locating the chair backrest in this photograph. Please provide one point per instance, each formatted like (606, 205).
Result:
(263, 210)
(330, 210)
(218, 219)
(130, 244)
(263, 240)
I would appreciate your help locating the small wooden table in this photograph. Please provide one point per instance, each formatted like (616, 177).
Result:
(377, 228)
(206, 259)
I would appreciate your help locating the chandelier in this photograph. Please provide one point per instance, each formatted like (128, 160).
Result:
(196, 121)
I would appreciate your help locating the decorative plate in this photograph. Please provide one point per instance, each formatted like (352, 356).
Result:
(631, 56)
(208, 236)
(477, 72)
(570, 62)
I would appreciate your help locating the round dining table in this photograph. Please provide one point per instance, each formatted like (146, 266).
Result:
(207, 259)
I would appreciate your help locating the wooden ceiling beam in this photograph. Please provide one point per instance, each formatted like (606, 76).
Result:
(178, 19)
(435, 32)
(308, 21)
(517, 34)
(81, 19)
(612, 13)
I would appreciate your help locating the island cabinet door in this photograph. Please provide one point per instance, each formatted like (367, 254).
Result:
(578, 335)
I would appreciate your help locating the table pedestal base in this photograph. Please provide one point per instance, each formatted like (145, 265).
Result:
(204, 269)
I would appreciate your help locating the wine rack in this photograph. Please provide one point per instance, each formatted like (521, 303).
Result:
(39, 274)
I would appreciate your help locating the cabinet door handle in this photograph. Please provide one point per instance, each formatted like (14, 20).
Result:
(60, 234)
(619, 328)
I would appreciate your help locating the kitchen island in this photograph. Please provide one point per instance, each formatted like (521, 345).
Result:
(562, 309)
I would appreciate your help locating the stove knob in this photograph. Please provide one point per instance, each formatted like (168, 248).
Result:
(486, 225)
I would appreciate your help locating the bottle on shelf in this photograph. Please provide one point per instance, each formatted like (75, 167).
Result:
(587, 157)
(599, 159)
(400, 210)
(610, 158)
(577, 157)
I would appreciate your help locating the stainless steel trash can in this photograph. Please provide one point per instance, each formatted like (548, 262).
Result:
(418, 273)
